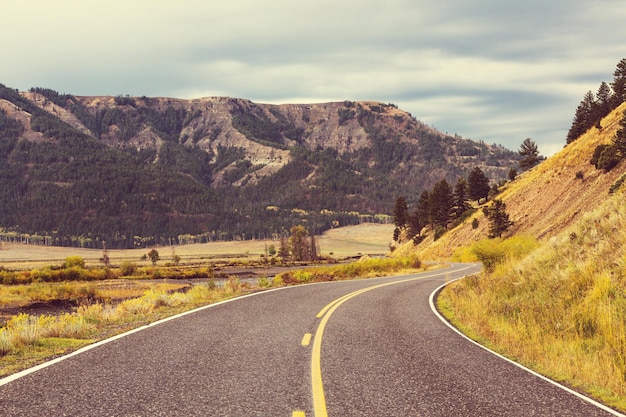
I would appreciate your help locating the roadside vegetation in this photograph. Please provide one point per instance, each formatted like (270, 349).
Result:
(29, 339)
(558, 306)
(365, 267)
(84, 304)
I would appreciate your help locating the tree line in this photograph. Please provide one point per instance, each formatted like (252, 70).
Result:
(590, 112)
(444, 205)
(594, 107)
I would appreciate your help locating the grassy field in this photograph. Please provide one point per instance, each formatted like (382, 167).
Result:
(558, 307)
(366, 238)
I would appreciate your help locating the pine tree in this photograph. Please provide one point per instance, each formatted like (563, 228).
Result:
(313, 249)
(619, 140)
(530, 153)
(619, 83)
(420, 217)
(604, 98)
(441, 202)
(298, 243)
(477, 185)
(460, 198)
(499, 221)
(401, 212)
(583, 118)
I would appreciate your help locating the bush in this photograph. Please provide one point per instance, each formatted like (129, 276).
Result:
(605, 157)
(74, 261)
(492, 252)
(439, 231)
(128, 268)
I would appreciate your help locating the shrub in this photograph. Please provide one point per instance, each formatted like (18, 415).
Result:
(263, 282)
(127, 268)
(74, 261)
(439, 231)
(492, 252)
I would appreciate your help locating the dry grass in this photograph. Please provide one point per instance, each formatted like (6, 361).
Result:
(562, 308)
(366, 238)
(547, 199)
(28, 339)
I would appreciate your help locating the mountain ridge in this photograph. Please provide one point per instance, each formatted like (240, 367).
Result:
(339, 157)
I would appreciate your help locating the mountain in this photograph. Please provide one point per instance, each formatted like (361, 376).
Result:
(134, 171)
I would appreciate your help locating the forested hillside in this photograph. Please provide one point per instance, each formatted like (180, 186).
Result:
(135, 171)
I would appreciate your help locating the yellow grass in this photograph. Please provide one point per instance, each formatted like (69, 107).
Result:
(549, 198)
(562, 308)
(366, 238)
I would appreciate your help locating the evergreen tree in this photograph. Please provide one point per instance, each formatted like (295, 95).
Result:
(530, 153)
(619, 83)
(441, 203)
(604, 98)
(401, 212)
(460, 198)
(619, 140)
(477, 185)
(420, 217)
(499, 221)
(583, 118)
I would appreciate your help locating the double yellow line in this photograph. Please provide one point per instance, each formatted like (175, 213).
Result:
(319, 398)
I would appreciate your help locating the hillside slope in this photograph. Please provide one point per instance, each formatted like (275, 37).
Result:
(557, 305)
(548, 198)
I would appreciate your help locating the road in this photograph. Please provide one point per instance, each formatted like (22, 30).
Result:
(376, 349)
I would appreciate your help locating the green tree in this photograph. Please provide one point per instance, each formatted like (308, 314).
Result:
(583, 118)
(499, 221)
(460, 195)
(619, 83)
(477, 185)
(619, 140)
(420, 217)
(401, 213)
(604, 98)
(441, 203)
(153, 255)
(530, 153)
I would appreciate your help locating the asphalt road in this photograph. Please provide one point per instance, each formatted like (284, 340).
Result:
(379, 351)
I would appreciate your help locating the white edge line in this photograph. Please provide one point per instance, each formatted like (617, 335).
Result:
(543, 377)
(36, 368)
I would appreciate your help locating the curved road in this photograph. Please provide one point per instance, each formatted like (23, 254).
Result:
(351, 348)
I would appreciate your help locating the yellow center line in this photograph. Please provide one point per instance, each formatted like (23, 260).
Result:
(319, 397)
(306, 339)
(298, 413)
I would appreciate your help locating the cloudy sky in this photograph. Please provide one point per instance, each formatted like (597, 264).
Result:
(492, 70)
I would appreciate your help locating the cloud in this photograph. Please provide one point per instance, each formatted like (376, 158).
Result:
(495, 70)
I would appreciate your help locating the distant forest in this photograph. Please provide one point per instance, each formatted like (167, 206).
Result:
(69, 188)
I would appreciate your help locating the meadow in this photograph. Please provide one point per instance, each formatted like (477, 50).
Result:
(91, 302)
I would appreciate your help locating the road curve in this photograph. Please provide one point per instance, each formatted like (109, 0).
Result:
(380, 351)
